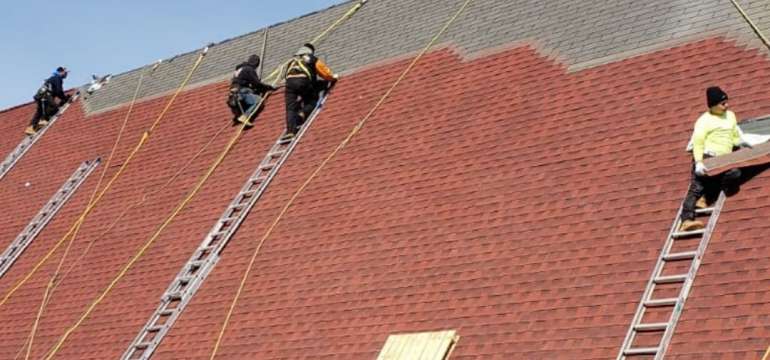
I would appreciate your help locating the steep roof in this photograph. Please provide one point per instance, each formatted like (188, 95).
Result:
(517, 188)
(578, 34)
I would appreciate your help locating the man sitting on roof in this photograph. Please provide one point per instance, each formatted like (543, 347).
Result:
(246, 90)
(53, 87)
(716, 133)
(302, 86)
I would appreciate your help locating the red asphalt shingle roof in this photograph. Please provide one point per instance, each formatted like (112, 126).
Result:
(503, 197)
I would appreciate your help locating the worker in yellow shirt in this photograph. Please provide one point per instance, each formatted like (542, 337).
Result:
(302, 88)
(716, 133)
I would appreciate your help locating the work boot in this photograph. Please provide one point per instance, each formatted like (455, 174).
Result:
(244, 119)
(701, 203)
(42, 123)
(691, 225)
(287, 136)
(30, 130)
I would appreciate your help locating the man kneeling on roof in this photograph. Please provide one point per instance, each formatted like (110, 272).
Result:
(246, 91)
(53, 87)
(303, 87)
(716, 133)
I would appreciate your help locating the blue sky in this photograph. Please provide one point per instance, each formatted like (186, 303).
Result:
(111, 36)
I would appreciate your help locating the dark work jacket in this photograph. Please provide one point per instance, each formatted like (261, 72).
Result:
(246, 76)
(55, 86)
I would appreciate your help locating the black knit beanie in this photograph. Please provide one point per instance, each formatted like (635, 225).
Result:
(253, 60)
(715, 95)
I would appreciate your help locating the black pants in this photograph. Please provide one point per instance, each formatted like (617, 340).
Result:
(45, 109)
(708, 186)
(301, 98)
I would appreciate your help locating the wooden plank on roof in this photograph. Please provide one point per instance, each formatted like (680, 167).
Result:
(418, 346)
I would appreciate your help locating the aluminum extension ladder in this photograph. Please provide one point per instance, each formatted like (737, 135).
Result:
(28, 141)
(649, 334)
(194, 272)
(46, 214)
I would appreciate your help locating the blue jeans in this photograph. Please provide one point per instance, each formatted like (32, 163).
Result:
(249, 99)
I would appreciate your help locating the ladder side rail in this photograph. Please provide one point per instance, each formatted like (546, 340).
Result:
(640, 309)
(216, 230)
(213, 254)
(274, 171)
(46, 213)
(28, 141)
(685, 291)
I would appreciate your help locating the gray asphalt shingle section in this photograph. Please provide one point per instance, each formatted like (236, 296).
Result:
(757, 126)
(581, 34)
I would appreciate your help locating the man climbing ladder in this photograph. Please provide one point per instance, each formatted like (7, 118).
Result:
(303, 87)
(53, 87)
(246, 91)
(716, 133)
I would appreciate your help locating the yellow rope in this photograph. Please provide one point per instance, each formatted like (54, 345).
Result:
(312, 176)
(169, 219)
(88, 209)
(274, 74)
(145, 197)
(751, 24)
(49, 288)
(152, 239)
(344, 17)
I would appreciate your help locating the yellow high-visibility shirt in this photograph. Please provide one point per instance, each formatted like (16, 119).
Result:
(715, 135)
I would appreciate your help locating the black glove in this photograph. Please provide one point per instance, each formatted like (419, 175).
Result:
(66, 99)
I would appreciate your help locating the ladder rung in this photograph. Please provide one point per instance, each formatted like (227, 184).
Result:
(651, 327)
(285, 141)
(682, 234)
(704, 211)
(166, 312)
(661, 302)
(174, 296)
(681, 256)
(276, 154)
(218, 233)
(642, 351)
(258, 179)
(267, 167)
(155, 328)
(670, 279)
(143, 345)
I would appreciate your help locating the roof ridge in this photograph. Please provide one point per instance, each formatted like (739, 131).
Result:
(213, 44)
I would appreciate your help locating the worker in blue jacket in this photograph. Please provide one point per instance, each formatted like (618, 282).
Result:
(53, 88)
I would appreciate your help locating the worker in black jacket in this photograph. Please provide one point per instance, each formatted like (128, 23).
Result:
(302, 86)
(246, 90)
(53, 88)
